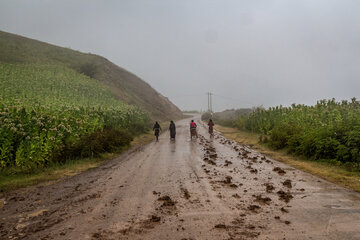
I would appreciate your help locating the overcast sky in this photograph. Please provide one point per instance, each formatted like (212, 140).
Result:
(248, 53)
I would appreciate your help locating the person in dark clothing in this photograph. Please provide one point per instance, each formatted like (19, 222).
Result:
(211, 127)
(157, 130)
(172, 129)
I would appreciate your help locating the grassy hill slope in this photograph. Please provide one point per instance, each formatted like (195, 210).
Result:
(123, 85)
(51, 113)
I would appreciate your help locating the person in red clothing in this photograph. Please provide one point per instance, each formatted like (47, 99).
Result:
(211, 127)
(193, 131)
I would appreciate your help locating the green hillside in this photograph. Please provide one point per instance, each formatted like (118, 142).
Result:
(51, 85)
(123, 85)
(49, 113)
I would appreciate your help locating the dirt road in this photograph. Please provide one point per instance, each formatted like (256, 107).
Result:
(188, 189)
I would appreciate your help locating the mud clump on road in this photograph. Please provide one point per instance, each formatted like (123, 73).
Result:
(250, 226)
(284, 210)
(149, 223)
(254, 208)
(98, 236)
(227, 180)
(253, 170)
(220, 226)
(287, 183)
(285, 196)
(227, 163)
(155, 218)
(167, 201)
(261, 199)
(243, 155)
(209, 161)
(279, 170)
(206, 170)
(236, 195)
(269, 187)
(213, 155)
(186, 193)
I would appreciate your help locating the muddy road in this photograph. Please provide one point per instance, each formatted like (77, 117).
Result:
(188, 189)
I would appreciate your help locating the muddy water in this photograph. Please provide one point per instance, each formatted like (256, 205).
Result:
(209, 188)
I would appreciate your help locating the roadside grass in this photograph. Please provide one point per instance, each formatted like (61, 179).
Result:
(325, 170)
(11, 179)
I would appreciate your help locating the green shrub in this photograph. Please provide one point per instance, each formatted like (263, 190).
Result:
(101, 141)
(47, 110)
(329, 130)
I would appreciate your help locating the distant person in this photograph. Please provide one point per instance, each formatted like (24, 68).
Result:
(193, 131)
(211, 127)
(172, 129)
(157, 130)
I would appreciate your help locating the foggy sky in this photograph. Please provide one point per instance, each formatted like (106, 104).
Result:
(248, 53)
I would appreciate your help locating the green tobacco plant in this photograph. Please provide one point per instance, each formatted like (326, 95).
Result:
(44, 109)
(330, 130)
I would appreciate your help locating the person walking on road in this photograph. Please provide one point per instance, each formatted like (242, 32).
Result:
(172, 129)
(211, 127)
(193, 131)
(157, 130)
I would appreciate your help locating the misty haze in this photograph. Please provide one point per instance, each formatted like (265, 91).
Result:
(248, 53)
(180, 120)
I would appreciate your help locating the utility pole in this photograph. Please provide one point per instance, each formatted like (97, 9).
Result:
(209, 94)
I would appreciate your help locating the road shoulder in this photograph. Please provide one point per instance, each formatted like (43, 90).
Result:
(335, 174)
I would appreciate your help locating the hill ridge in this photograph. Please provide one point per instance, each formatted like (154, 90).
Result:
(123, 84)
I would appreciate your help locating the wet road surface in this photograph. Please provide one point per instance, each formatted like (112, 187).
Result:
(209, 188)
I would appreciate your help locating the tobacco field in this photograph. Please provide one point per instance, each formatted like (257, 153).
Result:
(49, 113)
(329, 130)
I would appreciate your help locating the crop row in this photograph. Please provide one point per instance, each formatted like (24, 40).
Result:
(329, 130)
(47, 109)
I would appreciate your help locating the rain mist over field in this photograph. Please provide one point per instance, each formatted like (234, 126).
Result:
(247, 53)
